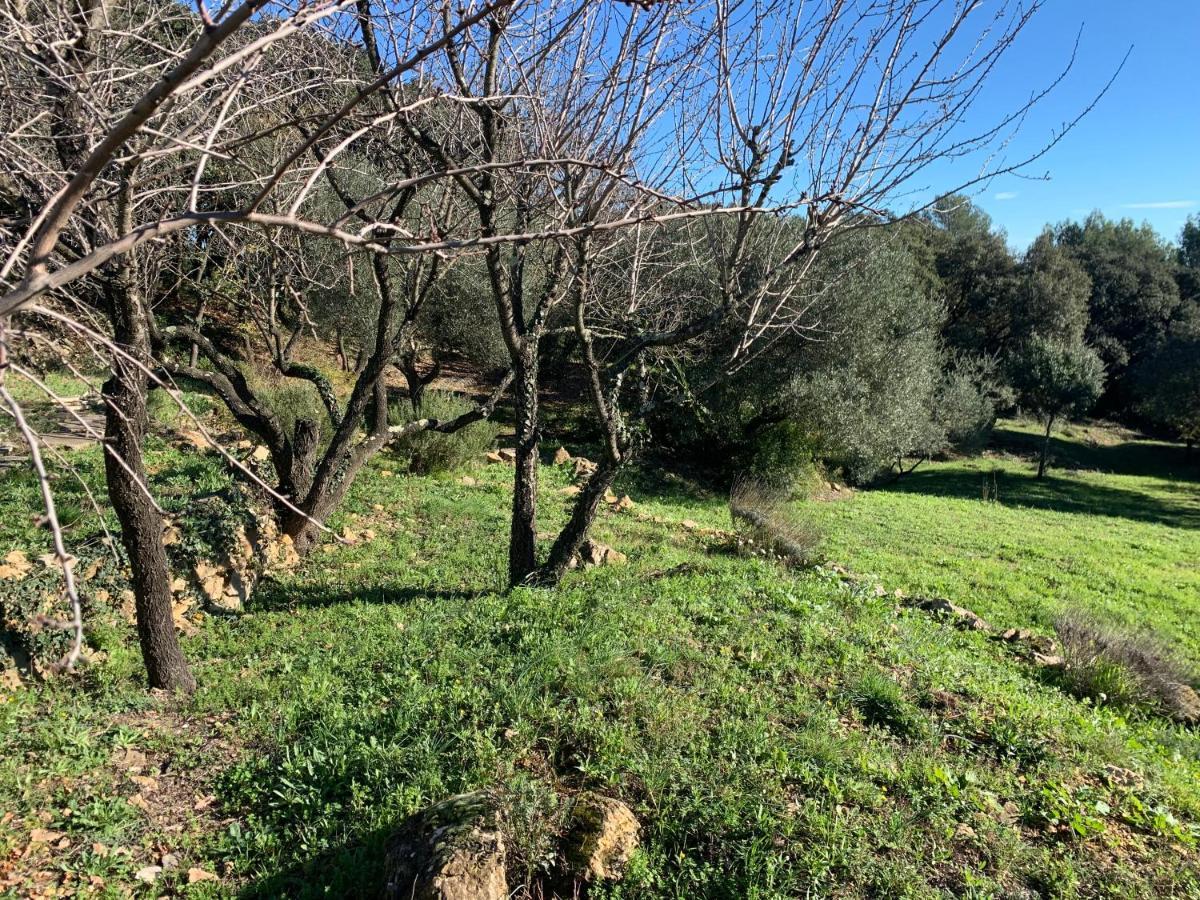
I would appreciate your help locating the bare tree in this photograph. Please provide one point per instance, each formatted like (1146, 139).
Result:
(115, 112)
(824, 115)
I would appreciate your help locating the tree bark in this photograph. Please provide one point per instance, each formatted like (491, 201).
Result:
(1045, 448)
(126, 422)
(522, 543)
(575, 532)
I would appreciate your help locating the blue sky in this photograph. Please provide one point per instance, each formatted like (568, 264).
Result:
(1137, 155)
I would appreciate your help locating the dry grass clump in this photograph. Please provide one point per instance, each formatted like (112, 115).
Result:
(775, 525)
(1106, 664)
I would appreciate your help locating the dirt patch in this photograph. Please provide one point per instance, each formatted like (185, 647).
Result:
(158, 778)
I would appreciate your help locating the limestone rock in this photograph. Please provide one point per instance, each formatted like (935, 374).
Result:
(603, 836)
(961, 617)
(493, 457)
(584, 468)
(452, 850)
(626, 502)
(508, 454)
(593, 553)
(561, 456)
(1182, 702)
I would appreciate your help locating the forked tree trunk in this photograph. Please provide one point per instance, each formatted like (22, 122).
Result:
(522, 541)
(575, 532)
(126, 422)
(1045, 448)
(322, 495)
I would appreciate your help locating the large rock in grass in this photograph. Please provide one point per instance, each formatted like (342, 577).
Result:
(593, 553)
(958, 615)
(453, 850)
(602, 838)
(1181, 701)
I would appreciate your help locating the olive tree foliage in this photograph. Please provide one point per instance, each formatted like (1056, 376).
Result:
(866, 385)
(1055, 379)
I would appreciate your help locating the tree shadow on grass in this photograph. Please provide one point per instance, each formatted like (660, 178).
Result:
(275, 596)
(1070, 495)
(352, 869)
(1144, 458)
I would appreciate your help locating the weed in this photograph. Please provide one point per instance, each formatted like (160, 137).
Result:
(774, 523)
(881, 702)
(1105, 664)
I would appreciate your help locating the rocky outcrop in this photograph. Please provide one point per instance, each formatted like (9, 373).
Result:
(960, 616)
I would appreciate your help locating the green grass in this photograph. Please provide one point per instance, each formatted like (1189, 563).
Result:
(779, 734)
(1113, 529)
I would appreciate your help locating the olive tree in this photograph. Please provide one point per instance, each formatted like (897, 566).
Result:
(1056, 379)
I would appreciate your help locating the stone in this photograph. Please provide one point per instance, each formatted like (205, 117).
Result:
(593, 553)
(467, 481)
(571, 490)
(1182, 702)
(602, 837)
(584, 468)
(1048, 659)
(452, 850)
(962, 617)
(561, 456)
(1126, 778)
(260, 454)
(626, 502)
(493, 457)
(508, 454)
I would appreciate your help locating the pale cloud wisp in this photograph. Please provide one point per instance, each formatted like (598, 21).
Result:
(1161, 204)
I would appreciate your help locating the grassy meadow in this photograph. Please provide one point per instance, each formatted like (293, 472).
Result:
(779, 733)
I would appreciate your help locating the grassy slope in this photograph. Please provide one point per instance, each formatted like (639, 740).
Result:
(780, 735)
(1114, 530)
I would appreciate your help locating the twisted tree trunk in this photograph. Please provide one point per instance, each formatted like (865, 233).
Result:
(125, 427)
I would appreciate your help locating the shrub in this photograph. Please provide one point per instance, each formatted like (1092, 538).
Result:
(967, 399)
(293, 399)
(774, 523)
(782, 455)
(431, 451)
(1103, 664)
